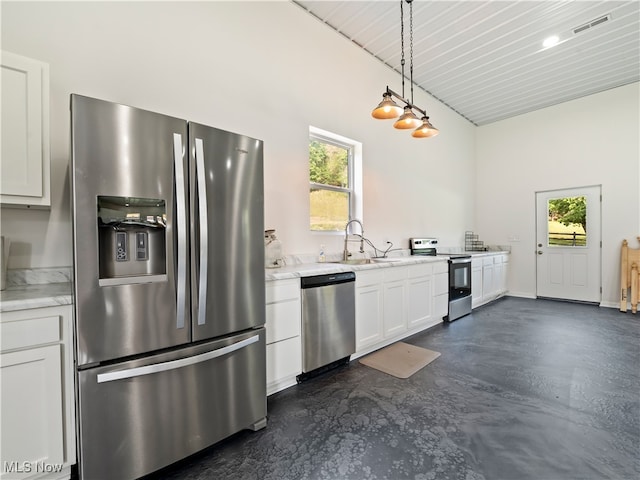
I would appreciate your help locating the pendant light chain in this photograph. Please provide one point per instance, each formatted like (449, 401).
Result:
(402, 43)
(410, 2)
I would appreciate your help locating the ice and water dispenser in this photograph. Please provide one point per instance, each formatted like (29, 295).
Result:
(131, 240)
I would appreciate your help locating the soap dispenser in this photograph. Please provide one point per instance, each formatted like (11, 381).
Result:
(321, 256)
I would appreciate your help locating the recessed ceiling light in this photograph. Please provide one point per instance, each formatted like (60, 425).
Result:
(550, 41)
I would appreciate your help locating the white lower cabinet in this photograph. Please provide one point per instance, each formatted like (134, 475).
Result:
(476, 282)
(38, 415)
(440, 290)
(394, 304)
(505, 274)
(398, 301)
(489, 278)
(419, 304)
(488, 284)
(284, 342)
(369, 329)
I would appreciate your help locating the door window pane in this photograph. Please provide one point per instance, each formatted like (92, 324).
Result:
(567, 222)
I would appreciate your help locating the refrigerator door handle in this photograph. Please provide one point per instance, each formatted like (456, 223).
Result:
(175, 364)
(181, 218)
(204, 232)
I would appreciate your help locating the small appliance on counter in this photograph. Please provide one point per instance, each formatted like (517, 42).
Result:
(459, 276)
(272, 250)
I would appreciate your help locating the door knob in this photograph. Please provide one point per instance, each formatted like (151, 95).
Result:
(540, 245)
(539, 252)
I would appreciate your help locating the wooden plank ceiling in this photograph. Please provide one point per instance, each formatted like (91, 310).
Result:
(485, 59)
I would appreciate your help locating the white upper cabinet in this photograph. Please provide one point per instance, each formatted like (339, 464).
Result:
(25, 162)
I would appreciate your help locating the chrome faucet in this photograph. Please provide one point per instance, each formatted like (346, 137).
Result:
(345, 253)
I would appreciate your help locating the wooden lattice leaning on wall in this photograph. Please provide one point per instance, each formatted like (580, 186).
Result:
(629, 276)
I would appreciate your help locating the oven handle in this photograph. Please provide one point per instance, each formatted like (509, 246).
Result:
(460, 260)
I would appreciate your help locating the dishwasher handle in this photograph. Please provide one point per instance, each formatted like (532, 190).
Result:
(328, 279)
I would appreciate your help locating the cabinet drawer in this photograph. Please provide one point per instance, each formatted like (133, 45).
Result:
(281, 290)
(497, 259)
(284, 359)
(487, 261)
(422, 270)
(365, 279)
(283, 320)
(441, 267)
(30, 332)
(395, 274)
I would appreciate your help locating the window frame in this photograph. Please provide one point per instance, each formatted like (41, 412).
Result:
(354, 174)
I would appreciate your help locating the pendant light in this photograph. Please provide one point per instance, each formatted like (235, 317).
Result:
(388, 109)
(425, 130)
(407, 120)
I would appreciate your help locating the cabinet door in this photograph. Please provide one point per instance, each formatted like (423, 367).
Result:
(419, 299)
(476, 286)
(487, 282)
(284, 363)
(25, 132)
(505, 273)
(497, 279)
(394, 316)
(32, 432)
(368, 315)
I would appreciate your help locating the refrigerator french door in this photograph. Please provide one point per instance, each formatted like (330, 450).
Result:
(169, 287)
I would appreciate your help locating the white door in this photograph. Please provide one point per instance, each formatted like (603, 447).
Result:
(568, 244)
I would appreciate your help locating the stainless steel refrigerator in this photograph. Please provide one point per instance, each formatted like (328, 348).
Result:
(169, 287)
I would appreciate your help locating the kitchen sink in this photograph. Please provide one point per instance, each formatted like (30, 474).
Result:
(366, 261)
(355, 261)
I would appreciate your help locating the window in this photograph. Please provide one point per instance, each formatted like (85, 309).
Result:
(334, 181)
(567, 224)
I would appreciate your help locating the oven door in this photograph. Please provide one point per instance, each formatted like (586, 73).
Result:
(459, 278)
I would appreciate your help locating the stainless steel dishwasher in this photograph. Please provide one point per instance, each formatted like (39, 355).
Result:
(328, 321)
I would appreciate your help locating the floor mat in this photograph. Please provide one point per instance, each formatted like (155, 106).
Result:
(400, 359)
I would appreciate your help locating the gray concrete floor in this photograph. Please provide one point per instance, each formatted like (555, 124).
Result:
(524, 389)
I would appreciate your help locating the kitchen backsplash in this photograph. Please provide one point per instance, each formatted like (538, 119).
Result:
(38, 276)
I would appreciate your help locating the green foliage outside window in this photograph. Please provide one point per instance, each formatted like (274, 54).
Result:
(328, 164)
(570, 212)
(330, 205)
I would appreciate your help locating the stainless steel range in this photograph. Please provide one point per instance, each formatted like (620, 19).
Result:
(459, 275)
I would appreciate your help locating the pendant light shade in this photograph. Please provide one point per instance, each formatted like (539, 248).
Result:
(387, 108)
(407, 120)
(425, 130)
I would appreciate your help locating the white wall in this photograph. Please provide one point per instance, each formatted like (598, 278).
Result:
(265, 69)
(593, 140)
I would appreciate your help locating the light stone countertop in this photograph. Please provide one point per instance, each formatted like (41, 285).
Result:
(309, 269)
(23, 297)
(307, 265)
(38, 288)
